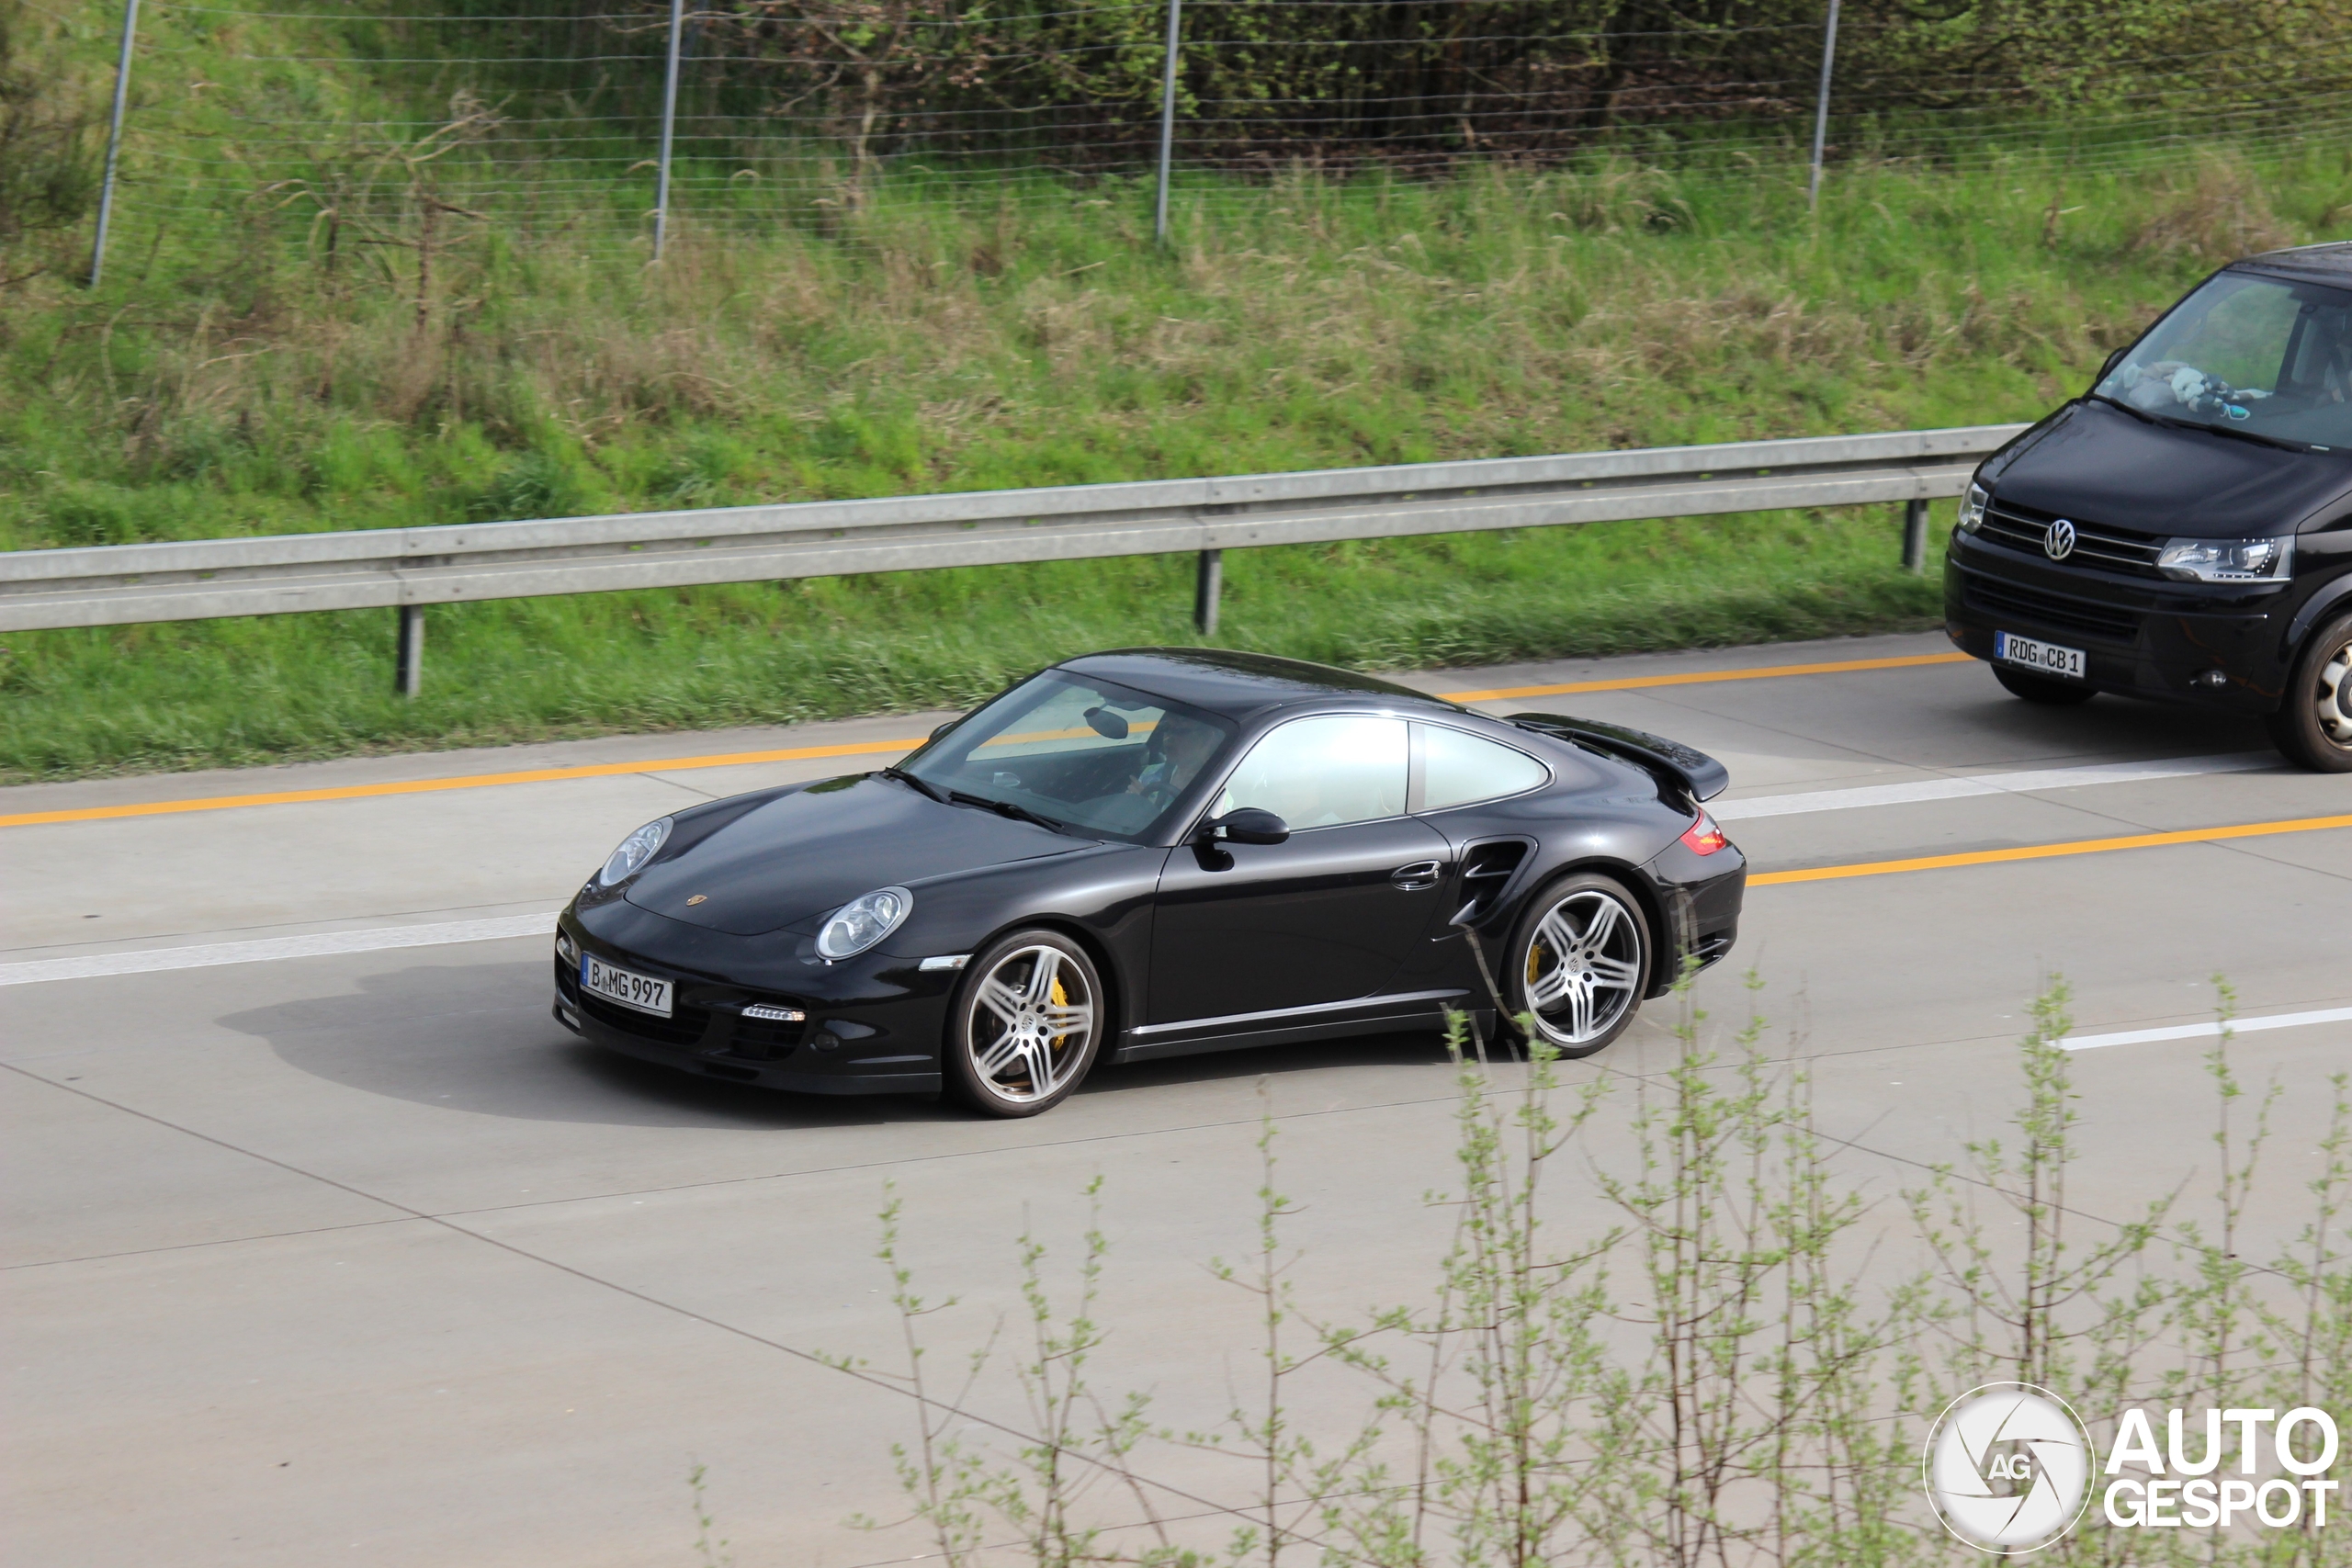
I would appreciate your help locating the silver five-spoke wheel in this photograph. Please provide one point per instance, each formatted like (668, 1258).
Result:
(1579, 963)
(1026, 1025)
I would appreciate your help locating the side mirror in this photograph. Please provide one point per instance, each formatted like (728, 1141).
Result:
(1250, 825)
(2108, 368)
(945, 728)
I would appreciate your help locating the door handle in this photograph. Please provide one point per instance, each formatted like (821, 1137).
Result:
(1416, 877)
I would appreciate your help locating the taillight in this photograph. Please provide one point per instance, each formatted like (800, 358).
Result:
(1704, 837)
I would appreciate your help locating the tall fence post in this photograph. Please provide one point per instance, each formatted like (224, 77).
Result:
(1914, 535)
(1167, 123)
(1207, 588)
(669, 127)
(408, 659)
(1821, 107)
(114, 140)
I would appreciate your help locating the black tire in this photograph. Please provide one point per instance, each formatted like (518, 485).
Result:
(1540, 955)
(2313, 725)
(999, 1040)
(2049, 690)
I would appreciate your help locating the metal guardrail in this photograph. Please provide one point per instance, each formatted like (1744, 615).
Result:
(413, 568)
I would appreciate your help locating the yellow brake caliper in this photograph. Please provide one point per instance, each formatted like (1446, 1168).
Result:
(1061, 998)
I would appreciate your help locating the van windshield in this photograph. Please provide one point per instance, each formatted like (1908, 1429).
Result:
(2246, 353)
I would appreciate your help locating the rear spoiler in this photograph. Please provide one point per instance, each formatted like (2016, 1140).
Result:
(1701, 774)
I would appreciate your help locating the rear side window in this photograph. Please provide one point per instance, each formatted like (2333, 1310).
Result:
(1458, 768)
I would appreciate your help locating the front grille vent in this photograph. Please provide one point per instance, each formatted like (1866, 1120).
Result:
(2098, 545)
(2036, 608)
(685, 1027)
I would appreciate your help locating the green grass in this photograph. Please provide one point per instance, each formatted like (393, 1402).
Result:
(219, 387)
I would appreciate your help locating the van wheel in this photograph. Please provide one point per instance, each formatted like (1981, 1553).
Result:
(2313, 726)
(2048, 689)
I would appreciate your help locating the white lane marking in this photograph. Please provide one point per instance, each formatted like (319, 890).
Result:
(148, 960)
(1989, 784)
(2207, 1030)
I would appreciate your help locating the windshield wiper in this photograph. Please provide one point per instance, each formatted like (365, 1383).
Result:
(2278, 441)
(905, 777)
(1005, 808)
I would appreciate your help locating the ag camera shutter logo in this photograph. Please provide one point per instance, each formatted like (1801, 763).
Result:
(2007, 1468)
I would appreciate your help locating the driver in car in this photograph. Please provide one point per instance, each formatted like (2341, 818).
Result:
(1181, 747)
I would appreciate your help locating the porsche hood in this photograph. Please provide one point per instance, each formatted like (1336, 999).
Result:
(797, 855)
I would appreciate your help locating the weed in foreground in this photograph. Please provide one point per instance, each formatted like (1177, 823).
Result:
(1669, 1329)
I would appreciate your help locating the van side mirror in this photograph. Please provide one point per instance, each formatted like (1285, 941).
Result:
(945, 728)
(2108, 368)
(1250, 825)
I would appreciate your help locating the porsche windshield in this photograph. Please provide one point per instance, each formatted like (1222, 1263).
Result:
(1090, 755)
(2251, 354)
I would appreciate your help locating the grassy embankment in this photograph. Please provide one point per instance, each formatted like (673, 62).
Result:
(922, 346)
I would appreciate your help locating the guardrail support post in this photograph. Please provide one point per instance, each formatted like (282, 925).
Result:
(1205, 590)
(408, 661)
(1914, 535)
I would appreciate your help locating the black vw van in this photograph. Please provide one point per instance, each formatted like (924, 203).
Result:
(2184, 530)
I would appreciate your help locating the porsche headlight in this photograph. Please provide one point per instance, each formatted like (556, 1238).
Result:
(1972, 509)
(2227, 560)
(635, 851)
(863, 921)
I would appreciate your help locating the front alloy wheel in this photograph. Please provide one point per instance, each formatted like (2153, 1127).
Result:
(1025, 1024)
(2313, 726)
(1578, 961)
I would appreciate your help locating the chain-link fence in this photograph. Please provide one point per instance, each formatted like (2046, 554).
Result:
(342, 127)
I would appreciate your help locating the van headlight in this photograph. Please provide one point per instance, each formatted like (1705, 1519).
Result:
(865, 920)
(1972, 509)
(2227, 560)
(635, 851)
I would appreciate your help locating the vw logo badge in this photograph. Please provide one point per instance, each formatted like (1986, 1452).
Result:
(2059, 543)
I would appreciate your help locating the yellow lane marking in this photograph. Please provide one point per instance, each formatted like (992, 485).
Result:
(865, 748)
(2051, 852)
(469, 780)
(1704, 677)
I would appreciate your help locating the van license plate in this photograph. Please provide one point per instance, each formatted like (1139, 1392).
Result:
(631, 990)
(2045, 658)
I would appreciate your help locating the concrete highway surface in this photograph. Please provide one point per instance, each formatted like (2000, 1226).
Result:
(327, 1244)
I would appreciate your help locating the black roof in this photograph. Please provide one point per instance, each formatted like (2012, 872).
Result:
(2332, 262)
(1237, 684)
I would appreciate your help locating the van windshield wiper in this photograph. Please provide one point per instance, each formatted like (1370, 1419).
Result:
(905, 777)
(1005, 808)
(2278, 440)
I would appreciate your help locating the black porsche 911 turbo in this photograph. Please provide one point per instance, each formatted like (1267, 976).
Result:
(1153, 852)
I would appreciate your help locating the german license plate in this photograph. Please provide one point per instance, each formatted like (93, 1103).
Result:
(626, 987)
(2047, 657)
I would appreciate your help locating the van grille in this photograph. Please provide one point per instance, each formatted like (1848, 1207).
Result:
(2096, 544)
(2031, 604)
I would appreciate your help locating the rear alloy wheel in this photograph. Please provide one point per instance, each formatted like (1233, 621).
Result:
(2313, 726)
(2048, 689)
(1578, 961)
(1025, 1024)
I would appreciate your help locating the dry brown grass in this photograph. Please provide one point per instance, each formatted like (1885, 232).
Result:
(2217, 213)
